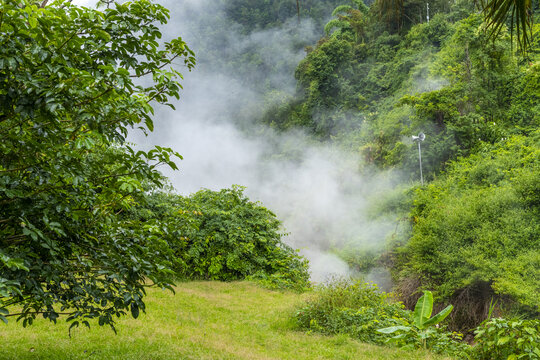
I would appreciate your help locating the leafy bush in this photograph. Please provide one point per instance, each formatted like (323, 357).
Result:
(360, 309)
(222, 235)
(351, 307)
(480, 225)
(507, 339)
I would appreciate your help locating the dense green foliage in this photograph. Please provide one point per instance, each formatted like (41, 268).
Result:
(363, 312)
(221, 235)
(370, 90)
(67, 98)
(85, 224)
(507, 339)
(369, 85)
(480, 223)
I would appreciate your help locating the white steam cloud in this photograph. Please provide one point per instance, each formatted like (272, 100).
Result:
(319, 195)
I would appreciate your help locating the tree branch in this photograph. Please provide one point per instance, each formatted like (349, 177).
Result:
(19, 168)
(15, 237)
(93, 98)
(66, 41)
(38, 312)
(169, 61)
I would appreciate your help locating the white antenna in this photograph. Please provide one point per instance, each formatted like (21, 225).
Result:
(421, 137)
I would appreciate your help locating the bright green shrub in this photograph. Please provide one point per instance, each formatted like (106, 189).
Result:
(222, 235)
(479, 225)
(360, 309)
(507, 339)
(355, 308)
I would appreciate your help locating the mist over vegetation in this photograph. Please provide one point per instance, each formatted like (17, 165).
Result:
(147, 143)
(243, 69)
(320, 149)
(315, 117)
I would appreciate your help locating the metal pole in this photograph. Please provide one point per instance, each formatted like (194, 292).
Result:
(420, 160)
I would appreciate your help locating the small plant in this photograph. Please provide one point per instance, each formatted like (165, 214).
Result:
(507, 339)
(424, 331)
(423, 310)
(422, 319)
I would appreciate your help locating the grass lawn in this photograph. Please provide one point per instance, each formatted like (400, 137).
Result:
(204, 320)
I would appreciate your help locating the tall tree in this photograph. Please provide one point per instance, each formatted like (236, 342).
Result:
(70, 87)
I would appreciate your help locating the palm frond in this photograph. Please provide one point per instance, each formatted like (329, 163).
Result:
(520, 13)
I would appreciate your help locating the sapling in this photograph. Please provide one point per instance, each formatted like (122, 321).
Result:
(422, 321)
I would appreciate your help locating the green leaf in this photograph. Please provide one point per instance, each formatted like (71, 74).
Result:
(393, 329)
(440, 316)
(134, 310)
(32, 21)
(73, 324)
(423, 309)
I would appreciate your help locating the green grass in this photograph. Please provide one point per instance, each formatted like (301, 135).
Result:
(204, 320)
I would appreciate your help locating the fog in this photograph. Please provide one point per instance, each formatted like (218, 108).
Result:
(315, 189)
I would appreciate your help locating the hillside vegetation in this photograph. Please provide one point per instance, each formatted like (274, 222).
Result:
(473, 232)
(88, 223)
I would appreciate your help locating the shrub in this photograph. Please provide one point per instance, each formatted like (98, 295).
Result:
(351, 307)
(360, 309)
(507, 339)
(479, 225)
(222, 235)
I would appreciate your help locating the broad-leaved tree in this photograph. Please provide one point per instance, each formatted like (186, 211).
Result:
(73, 80)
